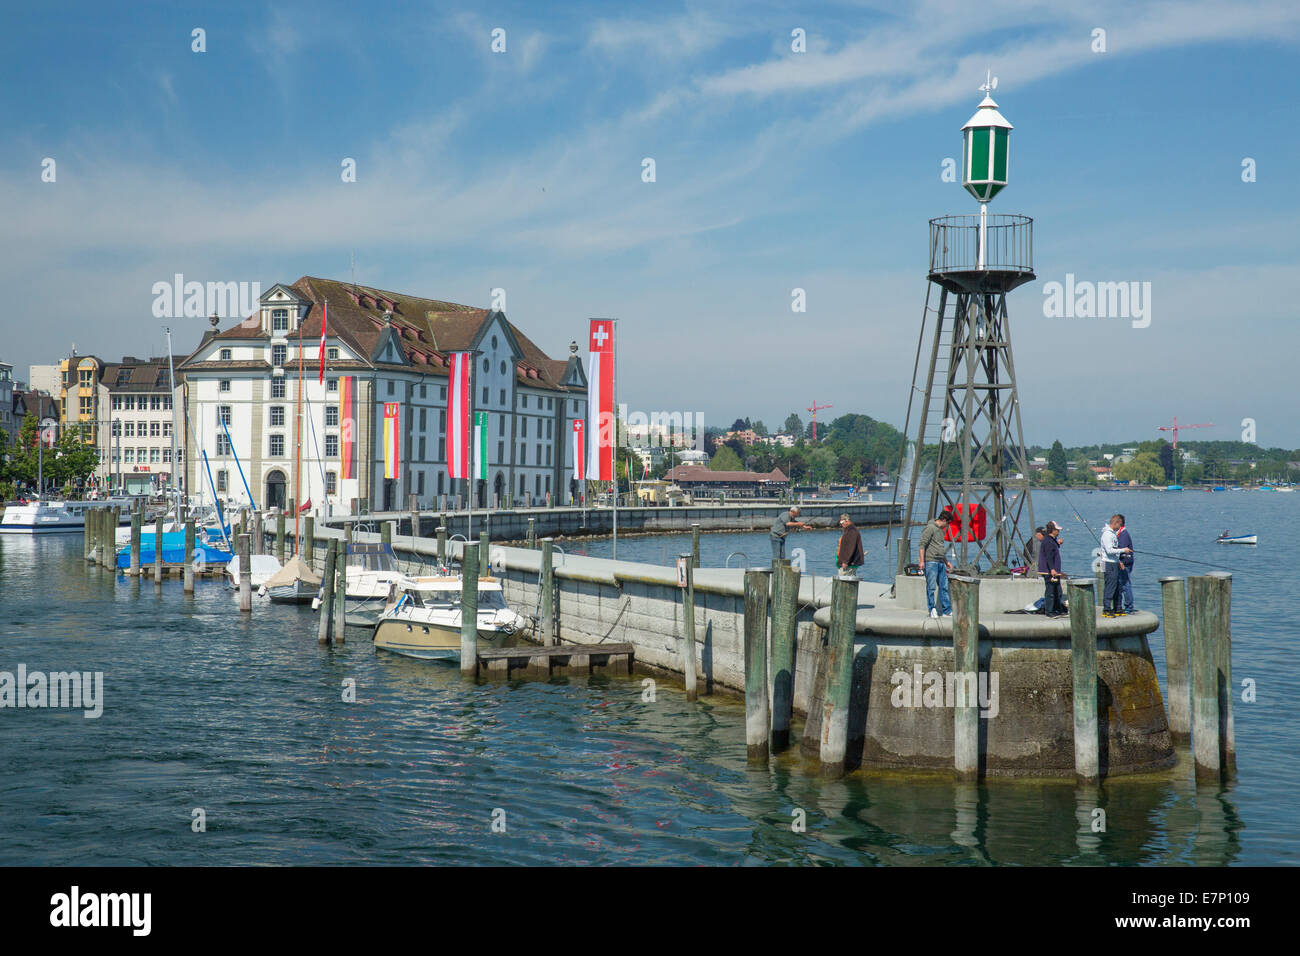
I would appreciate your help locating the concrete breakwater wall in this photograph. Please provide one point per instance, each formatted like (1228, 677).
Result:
(512, 525)
(1025, 660)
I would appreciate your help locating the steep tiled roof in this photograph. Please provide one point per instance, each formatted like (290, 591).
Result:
(148, 376)
(427, 328)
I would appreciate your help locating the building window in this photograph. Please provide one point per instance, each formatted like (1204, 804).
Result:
(331, 446)
(167, 402)
(167, 456)
(441, 476)
(503, 371)
(550, 427)
(155, 429)
(128, 456)
(331, 416)
(332, 353)
(117, 429)
(523, 489)
(442, 394)
(523, 428)
(548, 484)
(155, 403)
(221, 480)
(167, 429)
(390, 386)
(277, 416)
(442, 420)
(424, 391)
(278, 354)
(155, 456)
(501, 453)
(548, 454)
(537, 486)
(442, 452)
(331, 384)
(87, 406)
(117, 402)
(128, 429)
(523, 401)
(128, 403)
(523, 454)
(503, 397)
(277, 388)
(223, 385)
(280, 320)
(276, 449)
(223, 445)
(487, 366)
(420, 490)
(485, 395)
(225, 355)
(223, 414)
(331, 483)
(421, 458)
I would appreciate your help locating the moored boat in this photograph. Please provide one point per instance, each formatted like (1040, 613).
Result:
(1226, 538)
(423, 618)
(44, 517)
(295, 583)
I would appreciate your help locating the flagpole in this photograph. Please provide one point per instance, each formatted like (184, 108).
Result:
(297, 461)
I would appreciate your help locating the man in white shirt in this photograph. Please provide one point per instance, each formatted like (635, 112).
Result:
(1110, 554)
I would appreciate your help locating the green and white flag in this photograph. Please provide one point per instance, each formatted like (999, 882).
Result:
(480, 445)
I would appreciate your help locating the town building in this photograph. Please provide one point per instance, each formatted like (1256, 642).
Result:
(386, 353)
(137, 445)
(702, 482)
(8, 423)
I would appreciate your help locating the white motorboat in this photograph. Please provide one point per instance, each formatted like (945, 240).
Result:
(1226, 538)
(423, 618)
(43, 517)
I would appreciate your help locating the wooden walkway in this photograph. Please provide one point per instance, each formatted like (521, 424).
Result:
(560, 660)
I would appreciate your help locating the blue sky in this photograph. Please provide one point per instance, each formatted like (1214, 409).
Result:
(774, 170)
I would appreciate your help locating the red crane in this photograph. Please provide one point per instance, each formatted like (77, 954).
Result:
(815, 409)
(1175, 426)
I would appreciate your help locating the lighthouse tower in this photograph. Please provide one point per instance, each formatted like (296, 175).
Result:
(967, 430)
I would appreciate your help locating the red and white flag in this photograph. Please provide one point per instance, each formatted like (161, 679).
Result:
(458, 415)
(324, 321)
(579, 452)
(600, 394)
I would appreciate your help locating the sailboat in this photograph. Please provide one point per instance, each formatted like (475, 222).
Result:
(295, 583)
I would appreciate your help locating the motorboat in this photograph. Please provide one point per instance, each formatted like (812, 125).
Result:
(371, 573)
(1226, 538)
(422, 618)
(44, 517)
(295, 583)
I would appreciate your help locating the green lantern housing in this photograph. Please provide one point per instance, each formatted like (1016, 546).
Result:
(984, 155)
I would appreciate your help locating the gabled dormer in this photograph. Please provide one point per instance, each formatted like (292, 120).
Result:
(282, 309)
(574, 376)
(389, 346)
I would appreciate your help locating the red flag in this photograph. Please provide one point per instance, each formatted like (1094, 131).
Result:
(305, 506)
(579, 452)
(458, 415)
(324, 321)
(600, 385)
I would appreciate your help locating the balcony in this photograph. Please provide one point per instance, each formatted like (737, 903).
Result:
(1008, 255)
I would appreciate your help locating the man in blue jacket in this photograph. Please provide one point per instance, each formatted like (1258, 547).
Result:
(1126, 566)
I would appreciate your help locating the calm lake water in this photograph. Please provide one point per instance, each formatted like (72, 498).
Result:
(243, 716)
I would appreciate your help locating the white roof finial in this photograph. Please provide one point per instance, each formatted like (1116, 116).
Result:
(990, 83)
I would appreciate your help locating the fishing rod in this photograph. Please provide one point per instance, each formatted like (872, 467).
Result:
(1154, 554)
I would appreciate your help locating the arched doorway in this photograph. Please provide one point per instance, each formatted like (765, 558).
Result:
(275, 485)
(500, 488)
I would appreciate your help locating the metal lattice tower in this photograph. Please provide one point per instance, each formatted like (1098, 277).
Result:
(970, 410)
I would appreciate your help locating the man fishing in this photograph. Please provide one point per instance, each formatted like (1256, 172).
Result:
(781, 527)
(933, 554)
(1110, 556)
(1049, 566)
(848, 553)
(1125, 540)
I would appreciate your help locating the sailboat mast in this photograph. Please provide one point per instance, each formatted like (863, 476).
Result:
(297, 460)
(171, 371)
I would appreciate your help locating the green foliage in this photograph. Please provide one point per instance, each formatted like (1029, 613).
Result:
(726, 459)
(793, 425)
(1144, 469)
(1057, 463)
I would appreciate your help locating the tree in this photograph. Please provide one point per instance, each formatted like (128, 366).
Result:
(1144, 469)
(821, 465)
(1057, 463)
(759, 428)
(793, 425)
(1166, 458)
(1083, 473)
(726, 459)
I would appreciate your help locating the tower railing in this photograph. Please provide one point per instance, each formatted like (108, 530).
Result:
(954, 244)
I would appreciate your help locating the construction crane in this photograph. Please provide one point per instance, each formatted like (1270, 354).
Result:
(1175, 427)
(815, 408)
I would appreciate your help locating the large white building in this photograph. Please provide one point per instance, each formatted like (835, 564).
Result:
(382, 349)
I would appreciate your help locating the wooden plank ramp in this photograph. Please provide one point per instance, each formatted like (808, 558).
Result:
(562, 660)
